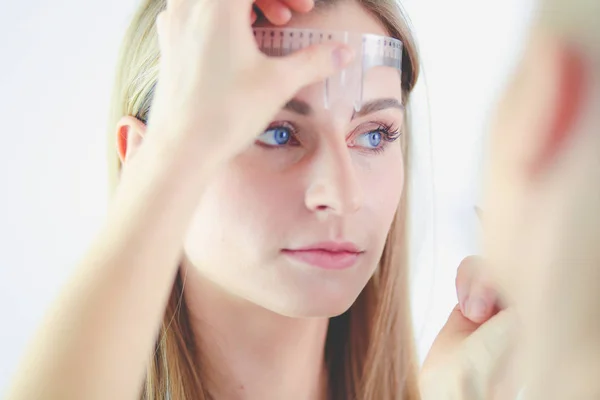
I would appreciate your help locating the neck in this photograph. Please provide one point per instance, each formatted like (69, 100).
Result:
(253, 353)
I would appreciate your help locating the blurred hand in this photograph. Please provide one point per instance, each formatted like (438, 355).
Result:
(471, 357)
(542, 205)
(477, 295)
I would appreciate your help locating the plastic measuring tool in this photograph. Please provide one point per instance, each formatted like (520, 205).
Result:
(347, 86)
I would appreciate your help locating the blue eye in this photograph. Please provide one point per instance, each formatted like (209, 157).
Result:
(277, 136)
(370, 139)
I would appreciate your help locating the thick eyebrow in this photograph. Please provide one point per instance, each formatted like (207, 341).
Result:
(377, 105)
(304, 109)
(298, 107)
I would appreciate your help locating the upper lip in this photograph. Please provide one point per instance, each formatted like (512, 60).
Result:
(333, 247)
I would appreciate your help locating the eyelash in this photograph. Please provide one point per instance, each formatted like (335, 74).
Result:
(389, 134)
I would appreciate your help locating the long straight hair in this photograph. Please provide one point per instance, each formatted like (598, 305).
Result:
(370, 350)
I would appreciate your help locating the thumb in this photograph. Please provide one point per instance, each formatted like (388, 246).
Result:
(487, 352)
(474, 356)
(310, 65)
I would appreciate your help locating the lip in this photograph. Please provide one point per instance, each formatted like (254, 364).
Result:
(327, 255)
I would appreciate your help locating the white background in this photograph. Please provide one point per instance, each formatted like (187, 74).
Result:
(56, 73)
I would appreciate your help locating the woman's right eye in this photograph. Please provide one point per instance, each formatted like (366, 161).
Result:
(277, 136)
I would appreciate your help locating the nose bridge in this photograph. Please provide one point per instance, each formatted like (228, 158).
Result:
(334, 184)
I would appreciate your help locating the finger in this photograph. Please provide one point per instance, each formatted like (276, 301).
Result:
(487, 352)
(464, 277)
(229, 12)
(456, 329)
(482, 301)
(307, 66)
(275, 11)
(301, 6)
(509, 381)
(476, 292)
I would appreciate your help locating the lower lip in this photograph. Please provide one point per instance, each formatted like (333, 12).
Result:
(325, 259)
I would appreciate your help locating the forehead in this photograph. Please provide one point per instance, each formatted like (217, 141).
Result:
(349, 16)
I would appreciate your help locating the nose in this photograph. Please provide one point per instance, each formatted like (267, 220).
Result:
(334, 186)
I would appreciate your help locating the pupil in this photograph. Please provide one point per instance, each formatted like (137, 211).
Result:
(282, 136)
(375, 139)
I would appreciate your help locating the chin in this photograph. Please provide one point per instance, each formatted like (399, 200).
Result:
(326, 304)
(314, 293)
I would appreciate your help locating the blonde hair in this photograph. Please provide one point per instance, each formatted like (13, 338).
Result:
(370, 351)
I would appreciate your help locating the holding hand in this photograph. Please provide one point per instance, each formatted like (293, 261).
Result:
(471, 357)
(210, 64)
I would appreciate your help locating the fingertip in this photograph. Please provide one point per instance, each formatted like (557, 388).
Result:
(481, 307)
(302, 6)
(468, 277)
(343, 56)
(276, 12)
(462, 304)
(286, 15)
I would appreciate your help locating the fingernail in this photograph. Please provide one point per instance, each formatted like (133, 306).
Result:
(476, 309)
(463, 305)
(286, 15)
(342, 56)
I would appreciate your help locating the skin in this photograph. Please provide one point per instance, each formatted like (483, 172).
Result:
(135, 246)
(540, 228)
(98, 335)
(266, 324)
(169, 166)
(280, 12)
(541, 213)
(259, 313)
(538, 116)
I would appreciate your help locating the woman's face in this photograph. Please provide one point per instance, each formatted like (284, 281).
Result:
(324, 180)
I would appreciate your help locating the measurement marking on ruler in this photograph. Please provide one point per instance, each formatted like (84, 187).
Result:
(372, 50)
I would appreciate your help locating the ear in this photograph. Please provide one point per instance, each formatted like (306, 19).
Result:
(130, 133)
(570, 79)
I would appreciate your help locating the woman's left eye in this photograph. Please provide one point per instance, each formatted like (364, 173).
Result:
(373, 139)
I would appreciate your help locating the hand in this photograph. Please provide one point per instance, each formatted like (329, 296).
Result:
(216, 90)
(477, 294)
(471, 356)
(541, 200)
(279, 12)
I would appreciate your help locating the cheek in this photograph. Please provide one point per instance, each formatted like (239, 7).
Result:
(251, 210)
(244, 211)
(383, 185)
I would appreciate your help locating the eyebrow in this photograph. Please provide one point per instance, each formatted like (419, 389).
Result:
(304, 109)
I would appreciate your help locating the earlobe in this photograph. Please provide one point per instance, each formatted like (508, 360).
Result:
(130, 133)
(571, 82)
